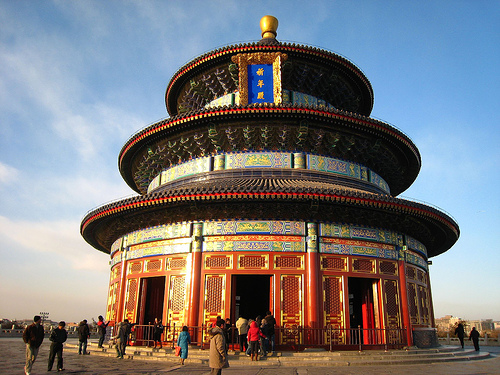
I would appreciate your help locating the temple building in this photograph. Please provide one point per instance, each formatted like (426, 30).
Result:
(270, 187)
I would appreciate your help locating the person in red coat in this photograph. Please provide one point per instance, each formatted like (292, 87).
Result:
(254, 333)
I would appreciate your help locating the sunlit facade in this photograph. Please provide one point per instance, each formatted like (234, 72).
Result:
(269, 187)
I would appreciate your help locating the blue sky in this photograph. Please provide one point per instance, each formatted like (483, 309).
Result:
(77, 78)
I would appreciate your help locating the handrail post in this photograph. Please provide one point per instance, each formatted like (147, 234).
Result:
(359, 338)
(331, 339)
(386, 339)
(173, 338)
(202, 337)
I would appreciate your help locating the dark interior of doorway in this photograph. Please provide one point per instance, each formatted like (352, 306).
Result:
(361, 313)
(151, 299)
(251, 296)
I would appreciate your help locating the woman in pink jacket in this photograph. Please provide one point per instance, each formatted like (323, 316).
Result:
(254, 333)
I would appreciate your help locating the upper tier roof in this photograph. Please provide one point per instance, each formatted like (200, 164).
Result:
(348, 136)
(309, 70)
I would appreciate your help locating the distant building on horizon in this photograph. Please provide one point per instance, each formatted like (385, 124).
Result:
(449, 322)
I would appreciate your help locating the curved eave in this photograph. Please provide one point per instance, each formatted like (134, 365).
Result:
(366, 125)
(444, 229)
(225, 53)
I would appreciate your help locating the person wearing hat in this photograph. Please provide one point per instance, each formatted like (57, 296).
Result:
(33, 337)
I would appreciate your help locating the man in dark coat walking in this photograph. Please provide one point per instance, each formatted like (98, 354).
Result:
(474, 336)
(57, 337)
(33, 337)
(83, 336)
(460, 332)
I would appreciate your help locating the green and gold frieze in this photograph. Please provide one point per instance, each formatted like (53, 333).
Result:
(296, 228)
(354, 247)
(362, 233)
(254, 243)
(278, 160)
(160, 232)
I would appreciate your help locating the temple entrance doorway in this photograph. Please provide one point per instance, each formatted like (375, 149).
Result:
(151, 299)
(252, 296)
(363, 308)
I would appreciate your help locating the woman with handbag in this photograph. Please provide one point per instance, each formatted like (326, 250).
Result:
(183, 342)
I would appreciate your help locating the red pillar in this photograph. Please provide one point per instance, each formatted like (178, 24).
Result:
(404, 297)
(123, 284)
(194, 294)
(313, 277)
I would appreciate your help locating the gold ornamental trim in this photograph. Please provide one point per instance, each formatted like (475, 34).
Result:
(245, 59)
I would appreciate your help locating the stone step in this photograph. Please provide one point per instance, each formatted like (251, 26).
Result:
(309, 357)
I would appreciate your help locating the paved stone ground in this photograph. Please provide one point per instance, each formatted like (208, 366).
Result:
(12, 362)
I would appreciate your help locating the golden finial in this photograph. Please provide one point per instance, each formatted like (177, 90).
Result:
(269, 25)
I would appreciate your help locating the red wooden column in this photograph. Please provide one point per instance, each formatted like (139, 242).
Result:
(123, 283)
(404, 296)
(314, 304)
(194, 294)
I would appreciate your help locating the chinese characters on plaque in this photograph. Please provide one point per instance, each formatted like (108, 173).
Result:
(260, 83)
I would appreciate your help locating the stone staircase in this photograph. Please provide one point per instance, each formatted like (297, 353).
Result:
(308, 357)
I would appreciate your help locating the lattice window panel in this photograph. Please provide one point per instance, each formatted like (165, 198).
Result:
(260, 262)
(177, 303)
(421, 276)
(413, 303)
(423, 305)
(334, 263)
(388, 268)
(131, 299)
(288, 262)
(363, 265)
(333, 307)
(291, 307)
(116, 273)
(214, 287)
(392, 303)
(153, 265)
(411, 273)
(177, 263)
(112, 306)
(218, 262)
(135, 267)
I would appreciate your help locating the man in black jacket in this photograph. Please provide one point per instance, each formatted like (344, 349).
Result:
(57, 337)
(83, 335)
(33, 337)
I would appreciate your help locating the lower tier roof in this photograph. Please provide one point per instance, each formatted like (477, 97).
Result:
(269, 199)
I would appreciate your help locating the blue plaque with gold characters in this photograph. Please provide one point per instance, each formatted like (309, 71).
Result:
(260, 83)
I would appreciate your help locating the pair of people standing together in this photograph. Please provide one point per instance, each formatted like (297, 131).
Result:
(33, 336)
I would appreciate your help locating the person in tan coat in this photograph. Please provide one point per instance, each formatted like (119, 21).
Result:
(218, 350)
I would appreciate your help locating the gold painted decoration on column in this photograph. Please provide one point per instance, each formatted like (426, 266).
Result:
(260, 77)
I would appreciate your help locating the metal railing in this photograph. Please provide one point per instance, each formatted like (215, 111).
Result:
(286, 338)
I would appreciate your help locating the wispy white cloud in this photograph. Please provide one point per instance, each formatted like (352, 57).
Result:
(8, 174)
(52, 238)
